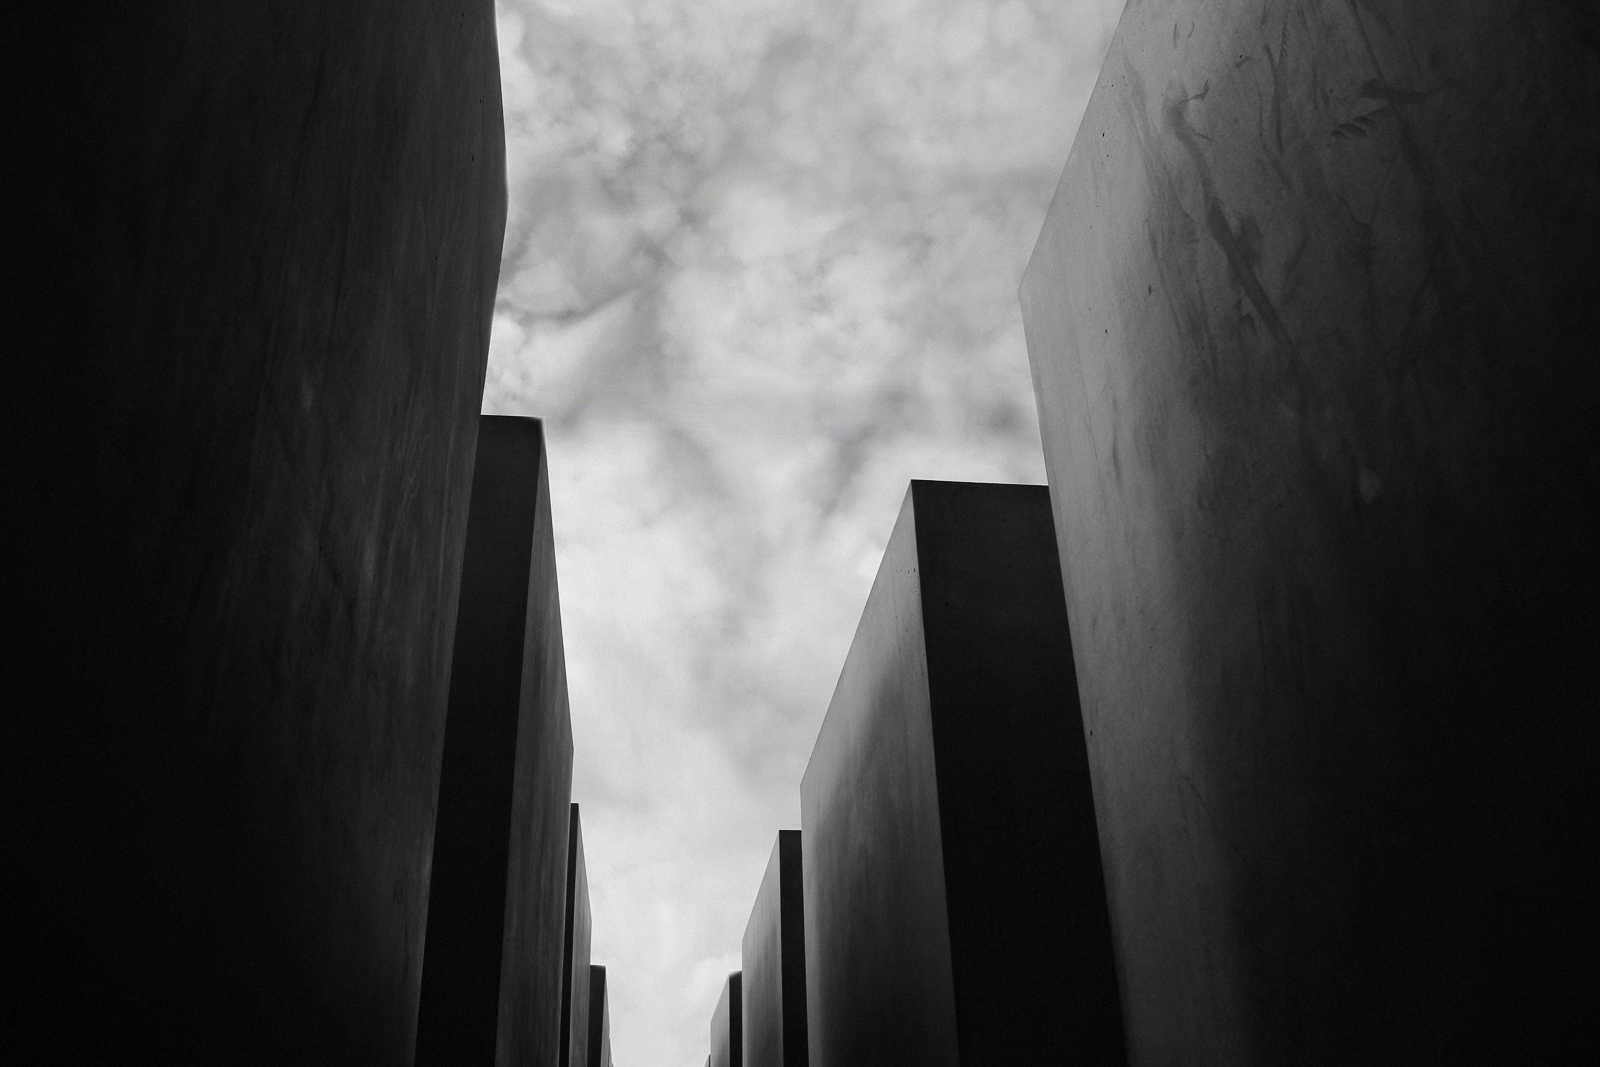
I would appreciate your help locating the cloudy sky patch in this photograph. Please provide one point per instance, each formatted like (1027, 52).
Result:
(760, 270)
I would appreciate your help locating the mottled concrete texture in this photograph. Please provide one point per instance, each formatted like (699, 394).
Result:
(955, 908)
(251, 254)
(492, 971)
(575, 978)
(773, 963)
(599, 1019)
(727, 1026)
(1312, 322)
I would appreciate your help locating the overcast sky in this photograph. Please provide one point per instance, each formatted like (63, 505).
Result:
(760, 271)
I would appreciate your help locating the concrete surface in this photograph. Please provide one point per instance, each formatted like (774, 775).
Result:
(599, 1019)
(1312, 324)
(727, 1026)
(493, 966)
(955, 908)
(250, 261)
(773, 963)
(575, 978)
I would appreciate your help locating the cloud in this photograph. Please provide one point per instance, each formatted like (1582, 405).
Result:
(760, 270)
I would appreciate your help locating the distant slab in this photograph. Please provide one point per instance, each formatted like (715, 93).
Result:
(599, 1019)
(955, 909)
(727, 1026)
(575, 987)
(773, 963)
(1312, 322)
(492, 967)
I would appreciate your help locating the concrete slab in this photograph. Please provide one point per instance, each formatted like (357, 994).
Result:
(251, 263)
(575, 980)
(773, 963)
(954, 903)
(727, 1026)
(599, 1019)
(1311, 322)
(492, 973)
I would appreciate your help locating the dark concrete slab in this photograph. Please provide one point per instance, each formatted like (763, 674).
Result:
(575, 978)
(599, 1019)
(250, 261)
(773, 964)
(727, 1026)
(954, 903)
(492, 972)
(1312, 328)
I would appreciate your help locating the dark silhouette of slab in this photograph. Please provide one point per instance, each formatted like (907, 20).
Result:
(251, 255)
(955, 908)
(494, 964)
(575, 977)
(599, 1019)
(773, 964)
(1312, 328)
(727, 1026)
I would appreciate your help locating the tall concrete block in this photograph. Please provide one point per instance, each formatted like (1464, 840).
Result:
(955, 908)
(599, 1019)
(773, 964)
(575, 977)
(727, 1026)
(493, 970)
(1312, 326)
(250, 256)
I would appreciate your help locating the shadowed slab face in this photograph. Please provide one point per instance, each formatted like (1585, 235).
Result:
(255, 254)
(492, 978)
(1311, 322)
(599, 1019)
(1030, 938)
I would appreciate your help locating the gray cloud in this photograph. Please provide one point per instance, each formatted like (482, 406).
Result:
(760, 270)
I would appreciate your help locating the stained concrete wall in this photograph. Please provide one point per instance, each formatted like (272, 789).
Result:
(727, 1025)
(251, 254)
(955, 907)
(773, 964)
(1312, 326)
(493, 966)
(599, 1019)
(575, 976)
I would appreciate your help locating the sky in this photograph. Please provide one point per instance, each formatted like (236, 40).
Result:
(760, 271)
